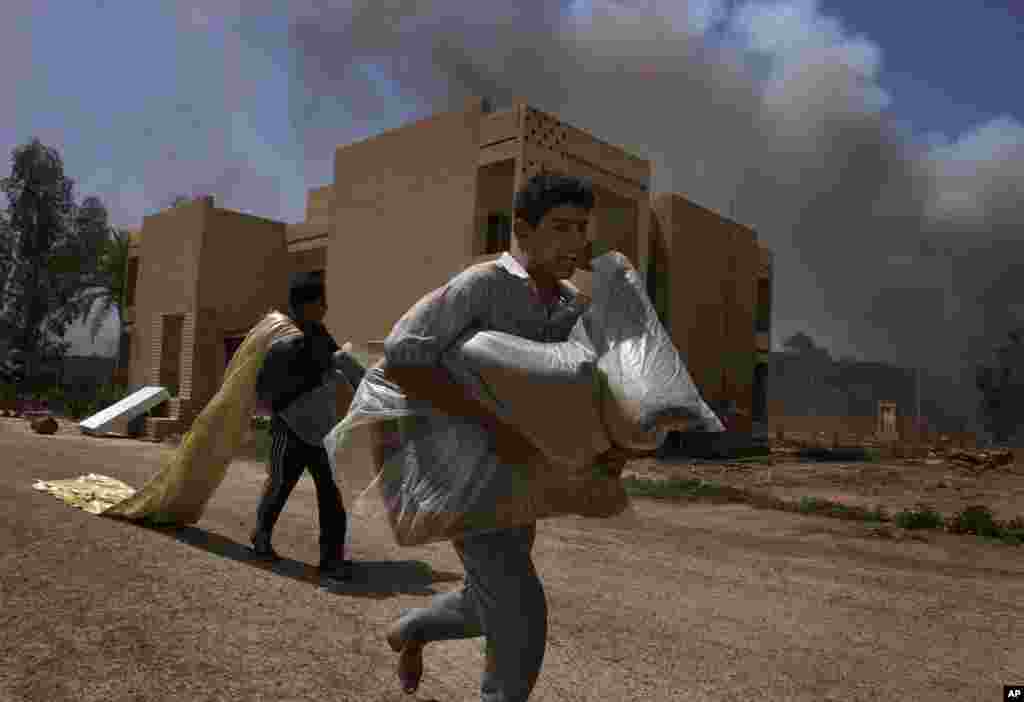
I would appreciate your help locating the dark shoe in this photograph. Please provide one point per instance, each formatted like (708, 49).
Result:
(337, 570)
(261, 546)
(410, 660)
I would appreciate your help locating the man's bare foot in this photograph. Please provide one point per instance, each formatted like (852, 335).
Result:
(410, 660)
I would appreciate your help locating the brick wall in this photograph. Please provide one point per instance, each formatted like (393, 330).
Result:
(169, 252)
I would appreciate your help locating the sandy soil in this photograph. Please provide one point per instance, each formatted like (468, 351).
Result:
(673, 602)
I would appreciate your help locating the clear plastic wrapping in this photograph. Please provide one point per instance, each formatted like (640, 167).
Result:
(436, 477)
(644, 373)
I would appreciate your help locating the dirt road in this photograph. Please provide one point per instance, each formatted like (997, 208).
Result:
(678, 602)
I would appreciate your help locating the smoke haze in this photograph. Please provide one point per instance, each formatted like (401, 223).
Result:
(889, 244)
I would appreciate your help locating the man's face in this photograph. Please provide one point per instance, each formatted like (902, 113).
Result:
(557, 245)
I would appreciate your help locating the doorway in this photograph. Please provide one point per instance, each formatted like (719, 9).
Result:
(170, 352)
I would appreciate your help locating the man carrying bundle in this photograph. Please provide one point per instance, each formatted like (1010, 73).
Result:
(525, 295)
(293, 368)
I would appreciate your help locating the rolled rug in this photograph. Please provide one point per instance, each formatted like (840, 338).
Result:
(178, 494)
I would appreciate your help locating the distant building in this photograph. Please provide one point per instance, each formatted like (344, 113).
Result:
(812, 393)
(408, 209)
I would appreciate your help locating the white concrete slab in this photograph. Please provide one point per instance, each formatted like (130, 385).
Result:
(125, 410)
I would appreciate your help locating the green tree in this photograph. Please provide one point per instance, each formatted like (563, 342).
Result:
(108, 288)
(51, 250)
(6, 252)
(1001, 383)
(179, 200)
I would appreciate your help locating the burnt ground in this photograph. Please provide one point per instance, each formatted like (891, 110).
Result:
(689, 601)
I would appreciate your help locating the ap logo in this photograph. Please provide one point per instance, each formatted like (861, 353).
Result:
(1014, 692)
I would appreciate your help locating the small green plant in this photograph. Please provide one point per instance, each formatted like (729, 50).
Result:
(8, 392)
(92, 400)
(755, 460)
(54, 394)
(838, 510)
(1013, 539)
(807, 505)
(975, 519)
(110, 393)
(78, 407)
(921, 517)
(679, 487)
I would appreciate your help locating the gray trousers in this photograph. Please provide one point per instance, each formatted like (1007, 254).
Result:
(503, 599)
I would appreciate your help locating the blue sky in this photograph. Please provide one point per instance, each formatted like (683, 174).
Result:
(947, 62)
(147, 99)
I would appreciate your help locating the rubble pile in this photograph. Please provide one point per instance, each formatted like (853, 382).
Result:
(980, 461)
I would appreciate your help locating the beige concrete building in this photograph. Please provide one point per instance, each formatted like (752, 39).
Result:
(408, 209)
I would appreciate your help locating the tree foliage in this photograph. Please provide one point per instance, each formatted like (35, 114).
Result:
(51, 248)
(108, 287)
(179, 199)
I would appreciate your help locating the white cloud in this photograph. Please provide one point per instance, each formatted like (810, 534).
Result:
(980, 172)
(811, 53)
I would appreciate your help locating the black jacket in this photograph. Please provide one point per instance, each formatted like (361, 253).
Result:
(295, 366)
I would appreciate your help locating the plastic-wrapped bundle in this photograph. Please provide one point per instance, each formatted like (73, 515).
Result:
(618, 364)
(550, 392)
(645, 377)
(439, 477)
(435, 477)
(313, 415)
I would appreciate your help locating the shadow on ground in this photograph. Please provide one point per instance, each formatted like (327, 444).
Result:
(371, 579)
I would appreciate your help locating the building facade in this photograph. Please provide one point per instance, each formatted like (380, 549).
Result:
(408, 209)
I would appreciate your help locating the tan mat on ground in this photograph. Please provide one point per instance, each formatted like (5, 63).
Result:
(178, 494)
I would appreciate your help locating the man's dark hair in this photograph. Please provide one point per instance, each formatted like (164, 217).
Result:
(543, 193)
(305, 287)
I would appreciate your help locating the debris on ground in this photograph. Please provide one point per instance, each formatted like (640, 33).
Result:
(980, 461)
(44, 424)
(93, 493)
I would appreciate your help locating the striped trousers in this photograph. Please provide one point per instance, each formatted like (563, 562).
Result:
(289, 457)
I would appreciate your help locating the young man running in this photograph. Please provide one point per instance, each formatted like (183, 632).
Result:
(522, 294)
